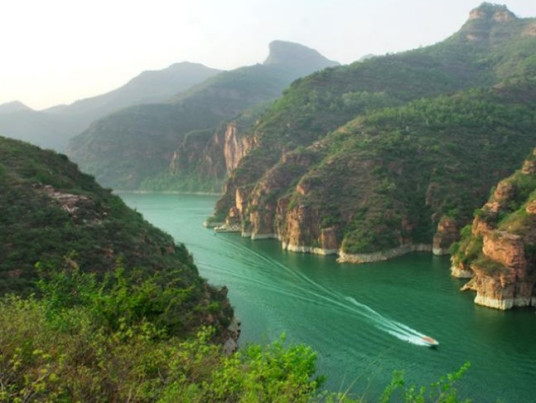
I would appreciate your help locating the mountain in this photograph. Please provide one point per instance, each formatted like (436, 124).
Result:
(498, 250)
(393, 153)
(56, 216)
(148, 87)
(14, 106)
(53, 127)
(160, 146)
(39, 128)
(299, 59)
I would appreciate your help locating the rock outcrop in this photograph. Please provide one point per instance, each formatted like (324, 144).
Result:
(446, 233)
(333, 198)
(499, 250)
(477, 28)
(488, 11)
(234, 146)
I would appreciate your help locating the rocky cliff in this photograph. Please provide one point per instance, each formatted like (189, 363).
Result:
(498, 251)
(204, 159)
(347, 162)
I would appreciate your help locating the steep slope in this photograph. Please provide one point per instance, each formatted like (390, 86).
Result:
(52, 214)
(135, 147)
(390, 180)
(53, 127)
(498, 250)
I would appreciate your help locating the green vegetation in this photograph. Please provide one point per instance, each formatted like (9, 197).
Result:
(134, 322)
(438, 164)
(387, 177)
(52, 214)
(508, 212)
(86, 340)
(89, 341)
(401, 141)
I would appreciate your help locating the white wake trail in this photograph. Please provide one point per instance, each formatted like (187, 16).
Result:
(392, 327)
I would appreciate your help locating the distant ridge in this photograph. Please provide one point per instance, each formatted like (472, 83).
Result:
(14, 106)
(148, 87)
(160, 146)
(53, 127)
(298, 57)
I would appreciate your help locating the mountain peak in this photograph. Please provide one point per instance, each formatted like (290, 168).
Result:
(492, 12)
(489, 24)
(296, 56)
(14, 106)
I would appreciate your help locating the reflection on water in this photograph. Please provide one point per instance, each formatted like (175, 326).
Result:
(349, 314)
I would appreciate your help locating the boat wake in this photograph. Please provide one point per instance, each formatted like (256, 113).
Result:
(394, 328)
(316, 293)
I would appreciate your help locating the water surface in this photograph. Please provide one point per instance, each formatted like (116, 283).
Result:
(365, 321)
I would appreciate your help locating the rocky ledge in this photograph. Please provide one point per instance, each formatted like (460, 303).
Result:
(498, 252)
(383, 255)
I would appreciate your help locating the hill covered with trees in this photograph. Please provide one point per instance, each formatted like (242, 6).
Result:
(393, 153)
(53, 217)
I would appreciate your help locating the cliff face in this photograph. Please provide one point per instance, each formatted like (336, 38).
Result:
(446, 233)
(477, 28)
(234, 147)
(369, 196)
(205, 158)
(498, 251)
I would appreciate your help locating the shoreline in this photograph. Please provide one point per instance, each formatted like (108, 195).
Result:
(343, 257)
(382, 255)
(165, 192)
(506, 303)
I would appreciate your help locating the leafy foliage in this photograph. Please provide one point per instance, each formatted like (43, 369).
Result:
(89, 340)
(53, 217)
(59, 348)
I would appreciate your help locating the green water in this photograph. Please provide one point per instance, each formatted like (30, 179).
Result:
(363, 320)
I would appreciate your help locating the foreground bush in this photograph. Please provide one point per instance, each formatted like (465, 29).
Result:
(85, 340)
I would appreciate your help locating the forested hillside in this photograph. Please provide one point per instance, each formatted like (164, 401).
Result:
(393, 153)
(98, 305)
(54, 218)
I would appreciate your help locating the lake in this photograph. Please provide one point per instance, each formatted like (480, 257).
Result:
(365, 321)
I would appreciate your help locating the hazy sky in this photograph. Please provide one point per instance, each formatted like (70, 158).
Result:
(58, 51)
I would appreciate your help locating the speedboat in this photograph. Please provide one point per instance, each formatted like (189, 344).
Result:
(430, 341)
